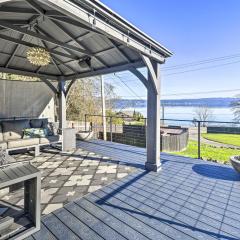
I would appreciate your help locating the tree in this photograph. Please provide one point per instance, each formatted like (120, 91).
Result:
(84, 98)
(137, 116)
(115, 118)
(203, 113)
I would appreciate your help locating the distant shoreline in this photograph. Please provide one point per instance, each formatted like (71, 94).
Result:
(206, 102)
(224, 114)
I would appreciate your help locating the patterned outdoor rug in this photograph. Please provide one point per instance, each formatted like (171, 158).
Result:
(66, 177)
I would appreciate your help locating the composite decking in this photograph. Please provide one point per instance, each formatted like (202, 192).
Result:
(187, 199)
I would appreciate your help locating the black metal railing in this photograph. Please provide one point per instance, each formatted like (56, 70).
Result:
(175, 133)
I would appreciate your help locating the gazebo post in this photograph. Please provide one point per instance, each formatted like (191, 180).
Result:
(62, 103)
(153, 114)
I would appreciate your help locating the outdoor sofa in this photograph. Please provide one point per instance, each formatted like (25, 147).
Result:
(13, 134)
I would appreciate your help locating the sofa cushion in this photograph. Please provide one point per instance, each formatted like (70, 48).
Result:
(14, 129)
(44, 123)
(18, 143)
(36, 123)
(49, 139)
(1, 133)
(3, 145)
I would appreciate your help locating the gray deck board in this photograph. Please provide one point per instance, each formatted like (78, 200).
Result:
(77, 226)
(59, 228)
(109, 219)
(94, 220)
(44, 232)
(187, 199)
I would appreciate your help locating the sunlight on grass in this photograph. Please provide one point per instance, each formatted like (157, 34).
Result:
(208, 152)
(232, 139)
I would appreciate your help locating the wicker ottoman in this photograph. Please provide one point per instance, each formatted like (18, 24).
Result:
(84, 135)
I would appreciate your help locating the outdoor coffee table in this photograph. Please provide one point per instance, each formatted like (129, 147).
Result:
(15, 173)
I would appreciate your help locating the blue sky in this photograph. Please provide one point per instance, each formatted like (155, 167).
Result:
(193, 30)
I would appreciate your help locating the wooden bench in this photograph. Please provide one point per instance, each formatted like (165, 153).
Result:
(13, 174)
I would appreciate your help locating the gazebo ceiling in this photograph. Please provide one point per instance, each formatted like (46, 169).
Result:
(75, 32)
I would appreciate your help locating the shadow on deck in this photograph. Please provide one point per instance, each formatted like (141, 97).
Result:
(187, 199)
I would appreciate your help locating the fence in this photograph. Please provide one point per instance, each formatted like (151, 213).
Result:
(200, 139)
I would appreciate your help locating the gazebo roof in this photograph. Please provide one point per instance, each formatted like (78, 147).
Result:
(73, 31)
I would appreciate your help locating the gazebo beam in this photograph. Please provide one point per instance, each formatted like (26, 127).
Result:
(79, 38)
(18, 10)
(50, 85)
(14, 52)
(40, 30)
(103, 71)
(27, 73)
(53, 60)
(103, 27)
(59, 60)
(78, 42)
(119, 50)
(47, 14)
(115, 46)
(69, 34)
(35, 6)
(70, 85)
(140, 76)
(74, 23)
(42, 37)
(16, 21)
(62, 103)
(41, 11)
(30, 21)
(28, 44)
(65, 65)
(152, 71)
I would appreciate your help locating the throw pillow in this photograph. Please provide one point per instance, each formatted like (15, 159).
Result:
(34, 133)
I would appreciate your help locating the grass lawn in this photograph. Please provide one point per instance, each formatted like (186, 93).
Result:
(232, 139)
(208, 152)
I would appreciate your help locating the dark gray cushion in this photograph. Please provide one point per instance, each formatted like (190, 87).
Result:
(14, 129)
(36, 123)
(44, 123)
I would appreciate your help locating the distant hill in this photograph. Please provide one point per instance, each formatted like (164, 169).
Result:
(208, 102)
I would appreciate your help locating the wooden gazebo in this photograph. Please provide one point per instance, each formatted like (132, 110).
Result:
(84, 38)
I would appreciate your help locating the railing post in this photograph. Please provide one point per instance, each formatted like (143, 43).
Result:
(85, 119)
(111, 137)
(199, 139)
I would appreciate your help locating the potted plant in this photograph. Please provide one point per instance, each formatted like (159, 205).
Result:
(235, 161)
